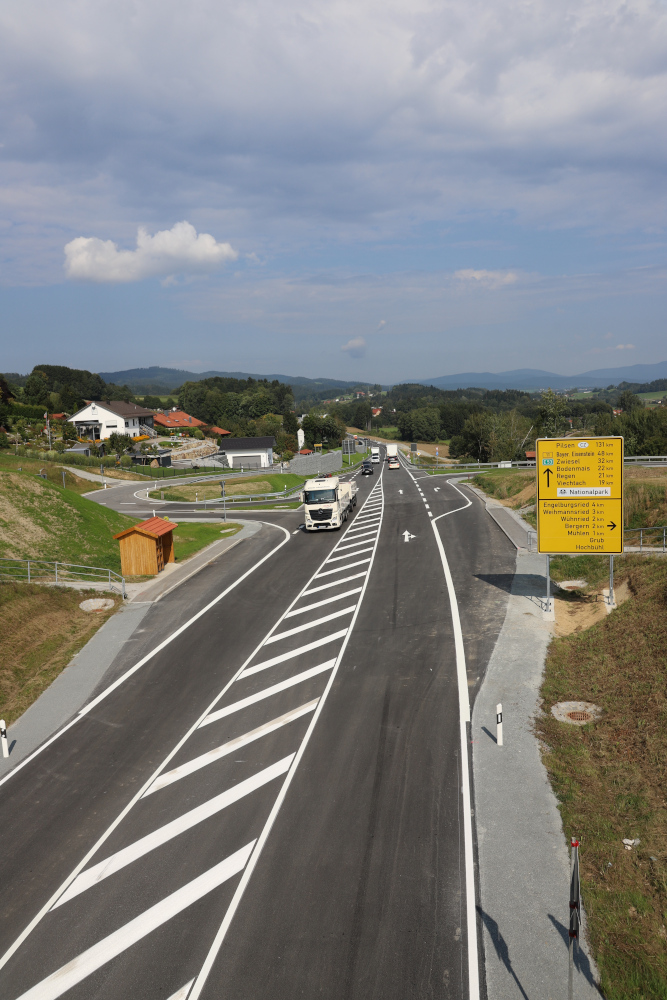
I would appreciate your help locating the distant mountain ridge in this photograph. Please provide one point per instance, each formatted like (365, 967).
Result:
(161, 380)
(167, 379)
(531, 379)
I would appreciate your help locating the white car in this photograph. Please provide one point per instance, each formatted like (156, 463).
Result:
(394, 463)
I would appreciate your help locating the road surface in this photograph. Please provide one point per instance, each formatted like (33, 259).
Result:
(268, 796)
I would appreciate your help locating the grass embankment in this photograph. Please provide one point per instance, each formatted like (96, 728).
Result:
(609, 777)
(41, 520)
(272, 483)
(41, 628)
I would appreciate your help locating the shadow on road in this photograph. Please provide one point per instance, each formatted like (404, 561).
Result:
(500, 944)
(581, 962)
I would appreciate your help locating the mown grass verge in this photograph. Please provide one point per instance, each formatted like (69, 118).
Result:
(190, 538)
(610, 777)
(271, 483)
(41, 628)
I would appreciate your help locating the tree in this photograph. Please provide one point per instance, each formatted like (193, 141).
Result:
(552, 407)
(425, 424)
(119, 443)
(290, 425)
(628, 401)
(37, 388)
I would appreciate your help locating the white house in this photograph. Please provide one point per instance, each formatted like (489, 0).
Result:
(100, 420)
(248, 453)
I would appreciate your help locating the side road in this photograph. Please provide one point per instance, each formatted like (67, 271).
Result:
(72, 689)
(523, 858)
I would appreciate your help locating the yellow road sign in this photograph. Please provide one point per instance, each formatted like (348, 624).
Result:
(580, 495)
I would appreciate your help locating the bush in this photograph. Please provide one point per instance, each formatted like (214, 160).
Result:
(4, 440)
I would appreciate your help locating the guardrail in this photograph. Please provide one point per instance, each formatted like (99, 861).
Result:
(646, 534)
(43, 570)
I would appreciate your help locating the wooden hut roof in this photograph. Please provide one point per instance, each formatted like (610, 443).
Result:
(154, 526)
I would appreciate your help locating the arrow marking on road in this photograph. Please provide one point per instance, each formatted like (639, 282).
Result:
(407, 536)
(436, 489)
(400, 491)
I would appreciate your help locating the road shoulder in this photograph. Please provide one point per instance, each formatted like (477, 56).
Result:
(522, 853)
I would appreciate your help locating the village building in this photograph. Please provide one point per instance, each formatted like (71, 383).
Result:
(98, 421)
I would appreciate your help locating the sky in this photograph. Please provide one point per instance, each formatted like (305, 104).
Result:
(373, 190)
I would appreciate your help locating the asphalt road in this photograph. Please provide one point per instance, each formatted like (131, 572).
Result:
(273, 804)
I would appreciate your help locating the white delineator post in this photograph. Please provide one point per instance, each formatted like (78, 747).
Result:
(3, 738)
(499, 725)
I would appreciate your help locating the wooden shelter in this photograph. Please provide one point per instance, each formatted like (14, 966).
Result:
(146, 548)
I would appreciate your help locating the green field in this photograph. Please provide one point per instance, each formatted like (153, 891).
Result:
(188, 492)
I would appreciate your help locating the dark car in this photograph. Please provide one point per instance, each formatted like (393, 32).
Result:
(366, 468)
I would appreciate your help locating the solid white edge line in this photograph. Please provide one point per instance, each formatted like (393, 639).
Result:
(139, 794)
(128, 673)
(464, 719)
(203, 974)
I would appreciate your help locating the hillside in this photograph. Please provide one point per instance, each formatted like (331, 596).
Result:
(156, 379)
(532, 379)
(39, 520)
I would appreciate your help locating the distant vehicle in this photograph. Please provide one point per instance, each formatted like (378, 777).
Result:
(392, 451)
(367, 468)
(394, 463)
(328, 501)
(375, 455)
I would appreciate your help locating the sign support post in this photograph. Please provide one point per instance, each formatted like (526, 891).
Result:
(548, 584)
(611, 581)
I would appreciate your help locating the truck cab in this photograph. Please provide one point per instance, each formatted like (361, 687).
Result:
(327, 502)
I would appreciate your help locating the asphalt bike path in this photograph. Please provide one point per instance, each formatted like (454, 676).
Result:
(275, 803)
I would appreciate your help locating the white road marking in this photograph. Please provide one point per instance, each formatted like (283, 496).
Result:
(355, 544)
(430, 514)
(214, 950)
(359, 532)
(115, 944)
(464, 718)
(169, 777)
(350, 555)
(319, 604)
(237, 706)
(183, 992)
(361, 523)
(407, 536)
(295, 652)
(334, 583)
(427, 506)
(317, 621)
(341, 569)
(116, 862)
(436, 489)
(128, 673)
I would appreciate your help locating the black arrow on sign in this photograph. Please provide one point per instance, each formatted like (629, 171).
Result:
(547, 473)
(611, 525)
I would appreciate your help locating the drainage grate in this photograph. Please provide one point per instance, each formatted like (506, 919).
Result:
(576, 713)
(579, 716)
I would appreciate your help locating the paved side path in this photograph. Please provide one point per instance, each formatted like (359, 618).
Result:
(523, 857)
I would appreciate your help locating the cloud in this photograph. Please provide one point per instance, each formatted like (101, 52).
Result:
(356, 347)
(624, 347)
(168, 252)
(382, 323)
(488, 279)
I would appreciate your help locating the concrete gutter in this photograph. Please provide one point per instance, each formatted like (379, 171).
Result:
(522, 852)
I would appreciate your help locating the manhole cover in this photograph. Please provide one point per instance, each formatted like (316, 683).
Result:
(577, 713)
(97, 604)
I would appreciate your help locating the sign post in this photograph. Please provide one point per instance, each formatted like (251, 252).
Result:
(575, 912)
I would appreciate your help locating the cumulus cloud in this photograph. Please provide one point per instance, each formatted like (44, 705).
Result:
(356, 347)
(170, 251)
(488, 279)
(624, 347)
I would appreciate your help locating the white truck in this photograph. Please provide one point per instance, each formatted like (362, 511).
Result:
(327, 501)
(375, 454)
(392, 451)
